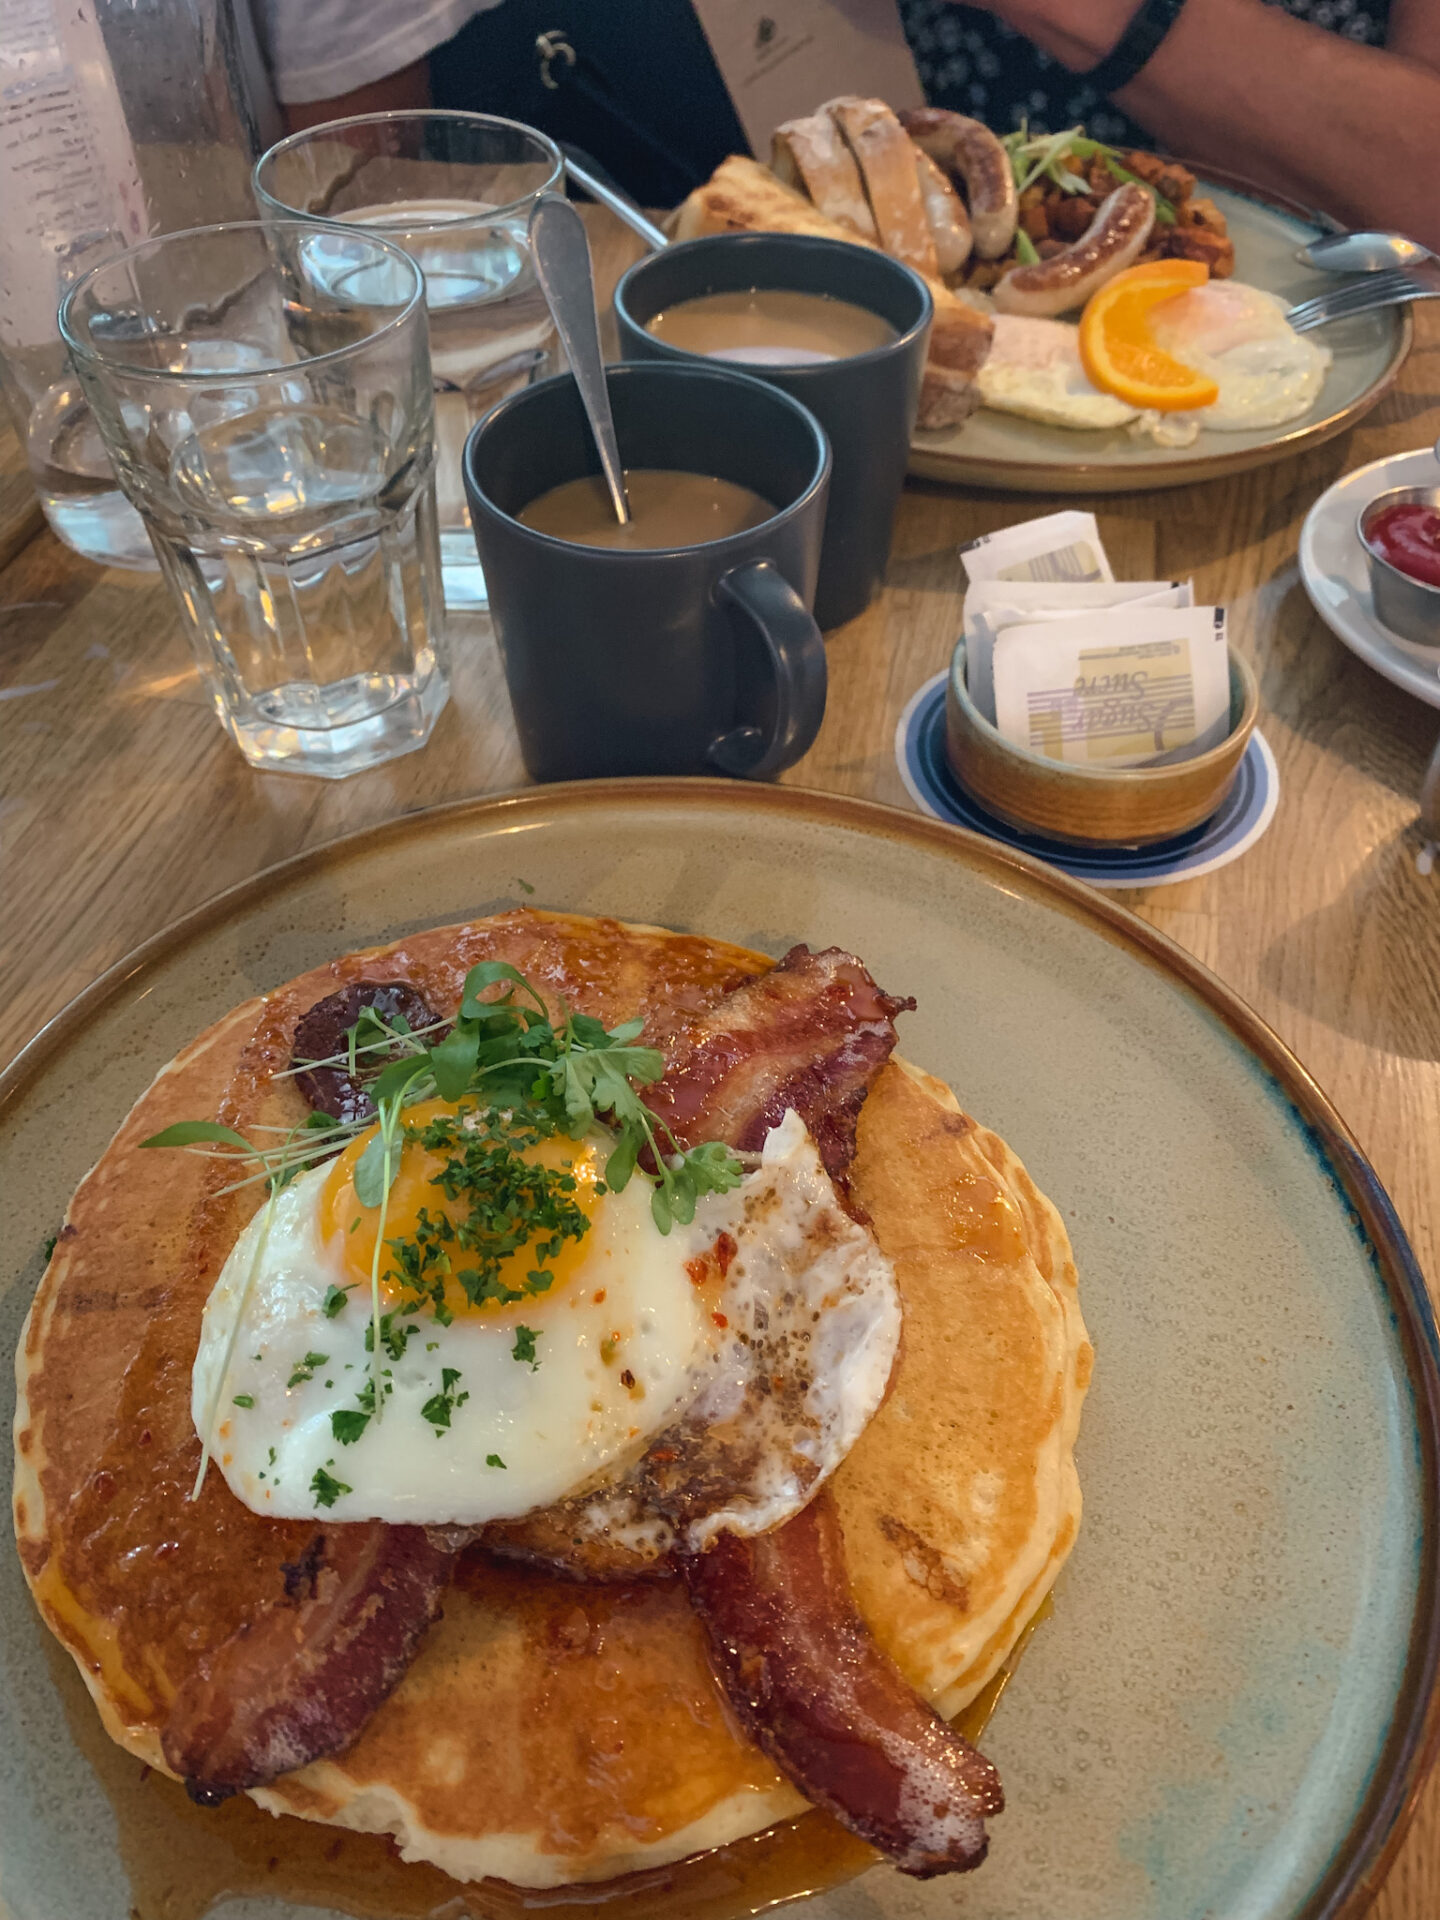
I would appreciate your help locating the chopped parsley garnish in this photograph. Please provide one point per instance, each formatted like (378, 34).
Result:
(327, 1489)
(335, 1298)
(438, 1409)
(500, 1202)
(393, 1338)
(524, 1347)
(305, 1369)
(346, 1423)
(494, 1460)
(52, 1241)
(244, 1400)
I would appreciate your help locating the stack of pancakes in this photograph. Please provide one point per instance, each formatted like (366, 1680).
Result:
(548, 1732)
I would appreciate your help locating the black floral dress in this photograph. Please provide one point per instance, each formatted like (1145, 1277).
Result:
(973, 63)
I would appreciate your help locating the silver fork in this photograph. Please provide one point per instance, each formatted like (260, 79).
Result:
(1390, 289)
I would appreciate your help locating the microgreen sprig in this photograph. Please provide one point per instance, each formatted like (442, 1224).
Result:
(1048, 154)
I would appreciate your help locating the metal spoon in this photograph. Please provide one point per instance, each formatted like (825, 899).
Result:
(561, 251)
(1363, 252)
(619, 204)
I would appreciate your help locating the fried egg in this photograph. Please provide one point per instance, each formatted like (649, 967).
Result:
(1239, 335)
(516, 1403)
(1033, 368)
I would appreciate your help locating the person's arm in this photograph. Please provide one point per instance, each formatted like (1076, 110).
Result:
(329, 59)
(1349, 128)
(397, 92)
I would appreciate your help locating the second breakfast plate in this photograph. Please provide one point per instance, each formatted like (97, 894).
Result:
(1230, 1711)
(1022, 456)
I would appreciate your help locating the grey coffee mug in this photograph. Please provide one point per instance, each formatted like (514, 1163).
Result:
(866, 404)
(696, 659)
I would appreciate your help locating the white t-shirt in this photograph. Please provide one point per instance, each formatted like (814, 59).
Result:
(318, 48)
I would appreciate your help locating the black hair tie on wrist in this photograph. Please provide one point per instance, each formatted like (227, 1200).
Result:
(1136, 46)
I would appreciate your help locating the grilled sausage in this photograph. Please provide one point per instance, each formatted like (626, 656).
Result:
(965, 147)
(945, 211)
(1114, 239)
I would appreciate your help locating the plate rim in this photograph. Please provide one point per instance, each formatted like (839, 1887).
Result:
(1389, 662)
(930, 463)
(1365, 1852)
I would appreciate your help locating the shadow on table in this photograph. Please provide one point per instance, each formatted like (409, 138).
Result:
(1368, 962)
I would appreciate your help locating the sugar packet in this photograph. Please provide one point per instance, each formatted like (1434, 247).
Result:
(1056, 546)
(993, 605)
(1127, 687)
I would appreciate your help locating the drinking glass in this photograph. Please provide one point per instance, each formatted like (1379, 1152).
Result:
(271, 419)
(455, 190)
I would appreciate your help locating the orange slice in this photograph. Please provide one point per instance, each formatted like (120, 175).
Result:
(1119, 351)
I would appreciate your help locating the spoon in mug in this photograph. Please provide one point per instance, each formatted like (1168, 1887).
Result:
(561, 251)
(1363, 252)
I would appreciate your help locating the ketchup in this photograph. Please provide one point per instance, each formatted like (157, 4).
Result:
(1408, 536)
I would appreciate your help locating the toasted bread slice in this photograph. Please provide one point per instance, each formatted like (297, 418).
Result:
(741, 196)
(959, 341)
(811, 156)
(886, 160)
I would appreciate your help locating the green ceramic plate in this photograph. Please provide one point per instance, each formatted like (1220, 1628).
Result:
(1228, 1714)
(1022, 456)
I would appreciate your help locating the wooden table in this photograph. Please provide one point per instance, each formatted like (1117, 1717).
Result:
(123, 805)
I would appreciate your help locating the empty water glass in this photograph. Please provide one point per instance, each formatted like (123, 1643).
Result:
(455, 190)
(272, 422)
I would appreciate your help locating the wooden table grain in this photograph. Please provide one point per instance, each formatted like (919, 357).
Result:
(122, 805)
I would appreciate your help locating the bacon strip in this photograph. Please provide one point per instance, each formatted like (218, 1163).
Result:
(811, 1034)
(301, 1679)
(811, 1687)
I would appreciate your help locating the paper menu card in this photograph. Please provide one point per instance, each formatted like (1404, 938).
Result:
(1129, 686)
(782, 61)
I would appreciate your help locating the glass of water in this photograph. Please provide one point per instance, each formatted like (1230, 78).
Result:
(455, 190)
(268, 410)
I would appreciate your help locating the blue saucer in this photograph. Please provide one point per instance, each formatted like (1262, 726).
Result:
(1244, 815)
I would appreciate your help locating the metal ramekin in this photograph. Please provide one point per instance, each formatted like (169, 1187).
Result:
(1409, 609)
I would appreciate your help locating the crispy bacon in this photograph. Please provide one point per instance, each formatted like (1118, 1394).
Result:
(811, 1687)
(301, 1679)
(811, 1034)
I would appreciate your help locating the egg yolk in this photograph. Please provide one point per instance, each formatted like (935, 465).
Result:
(349, 1229)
